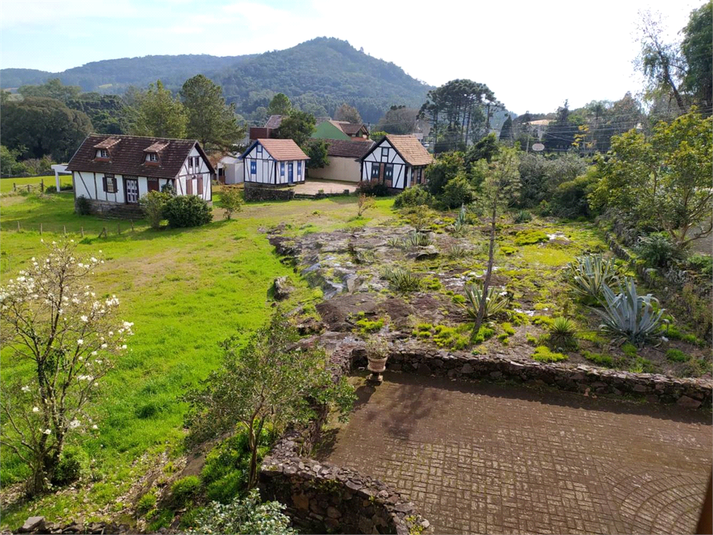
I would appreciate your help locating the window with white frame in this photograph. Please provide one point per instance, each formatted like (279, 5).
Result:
(384, 153)
(103, 154)
(374, 170)
(152, 157)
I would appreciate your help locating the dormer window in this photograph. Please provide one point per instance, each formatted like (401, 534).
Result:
(152, 157)
(102, 154)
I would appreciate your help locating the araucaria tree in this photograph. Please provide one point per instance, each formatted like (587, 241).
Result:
(51, 320)
(499, 189)
(159, 114)
(268, 380)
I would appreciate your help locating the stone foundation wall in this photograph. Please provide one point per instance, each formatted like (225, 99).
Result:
(113, 209)
(416, 358)
(264, 192)
(323, 498)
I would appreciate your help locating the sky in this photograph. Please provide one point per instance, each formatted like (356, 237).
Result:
(533, 55)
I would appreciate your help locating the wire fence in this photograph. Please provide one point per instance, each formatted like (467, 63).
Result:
(117, 228)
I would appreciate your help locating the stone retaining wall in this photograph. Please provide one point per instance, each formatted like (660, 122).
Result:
(114, 210)
(266, 192)
(323, 498)
(417, 358)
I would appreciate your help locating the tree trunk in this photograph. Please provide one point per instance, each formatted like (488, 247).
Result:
(488, 272)
(252, 443)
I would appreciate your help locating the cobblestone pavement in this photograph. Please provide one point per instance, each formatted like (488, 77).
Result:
(483, 458)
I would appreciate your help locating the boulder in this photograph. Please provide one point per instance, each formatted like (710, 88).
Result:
(282, 288)
(33, 524)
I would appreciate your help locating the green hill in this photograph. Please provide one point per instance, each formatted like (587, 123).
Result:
(317, 75)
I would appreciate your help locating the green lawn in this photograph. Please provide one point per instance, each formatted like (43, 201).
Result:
(6, 183)
(185, 290)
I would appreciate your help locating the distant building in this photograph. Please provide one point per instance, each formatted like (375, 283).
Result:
(538, 128)
(114, 171)
(274, 161)
(344, 160)
(396, 161)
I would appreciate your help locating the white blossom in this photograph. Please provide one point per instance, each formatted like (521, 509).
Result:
(47, 431)
(25, 388)
(84, 319)
(35, 409)
(80, 342)
(74, 424)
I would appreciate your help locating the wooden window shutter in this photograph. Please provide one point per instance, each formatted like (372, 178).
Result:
(114, 185)
(200, 186)
(189, 186)
(104, 182)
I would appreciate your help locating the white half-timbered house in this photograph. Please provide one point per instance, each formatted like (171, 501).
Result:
(398, 162)
(274, 161)
(114, 171)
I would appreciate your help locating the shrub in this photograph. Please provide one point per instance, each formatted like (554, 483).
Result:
(402, 280)
(508, 328)
(457, 192)
(628, 314)
(523, 216)
(82, 205)
(496, 302)
(530, 236)
(146, 503)
(367, 326)
(676, 355)
(457, 250)
(483, 334)
(702, 263)
(657, 250)
(543, 354)
(415, 196)
(364, 203)
(231, 200)
(72, 466)
(642, 365)
(153, 205)
(184, 489)
(372, 189)
(51, 189)
(571, 198)
(242, 517)
(588, 274)
(187, 211)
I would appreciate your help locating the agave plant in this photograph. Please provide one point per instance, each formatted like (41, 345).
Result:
(496, 302)
(402, 280)
(588, 274)
(460, 224)
(628, 314)
(417, 239)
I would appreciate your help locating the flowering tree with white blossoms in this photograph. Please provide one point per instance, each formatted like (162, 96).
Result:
(67, 339)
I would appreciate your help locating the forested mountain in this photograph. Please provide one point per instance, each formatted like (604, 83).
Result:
(317, 76)
(115, 75)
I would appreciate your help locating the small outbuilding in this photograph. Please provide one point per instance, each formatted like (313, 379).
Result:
(274, 161)
(397, 161)
(344, 160)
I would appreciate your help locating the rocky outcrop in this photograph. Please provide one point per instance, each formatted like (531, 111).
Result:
(38, 524)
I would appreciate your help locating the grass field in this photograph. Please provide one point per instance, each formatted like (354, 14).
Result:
(185, 290)
(6, 183)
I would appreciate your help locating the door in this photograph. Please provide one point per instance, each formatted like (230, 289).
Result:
(153, 184)
(290, 173)
(131, 188)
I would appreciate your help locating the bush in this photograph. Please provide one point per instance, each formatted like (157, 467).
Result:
(231, 200)
(701, 263)
(242, 517)
(146, 503)
(73, 464)
(601, 360)
(457, 192)
(415, 196)
(51, 189)
(187, 211)
(657, 250)
(153, 204)
(571, 198)
(82, 205)
(372, 189)
(184, 489)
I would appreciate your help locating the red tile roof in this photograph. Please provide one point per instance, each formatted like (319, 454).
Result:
(283, 149)
(127, 155)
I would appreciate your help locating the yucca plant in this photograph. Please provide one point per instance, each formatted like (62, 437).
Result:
(562, 333)
(461, 222)
(588, 274)
(457, 251)
(496, 302)
(402, 280)
(523, 216)
(629, 315)
(417, 239)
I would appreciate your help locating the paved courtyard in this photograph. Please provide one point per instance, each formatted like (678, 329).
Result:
(313, 186)
(485, 458)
